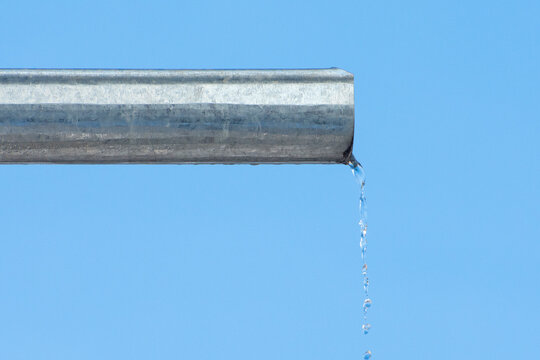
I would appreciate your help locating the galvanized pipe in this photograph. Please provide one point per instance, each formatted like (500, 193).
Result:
(176, 116)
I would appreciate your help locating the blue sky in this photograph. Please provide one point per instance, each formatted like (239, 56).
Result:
(243, 262)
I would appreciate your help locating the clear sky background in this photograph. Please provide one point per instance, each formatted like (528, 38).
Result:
(262, 262)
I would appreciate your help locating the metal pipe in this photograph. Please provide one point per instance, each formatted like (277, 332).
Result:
(176, 116)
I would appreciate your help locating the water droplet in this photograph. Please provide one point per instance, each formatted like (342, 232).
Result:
(367, 355)
(367, 303)
(366, 328)
(364, 269)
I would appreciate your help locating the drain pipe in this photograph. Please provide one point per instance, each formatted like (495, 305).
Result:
(176, 116)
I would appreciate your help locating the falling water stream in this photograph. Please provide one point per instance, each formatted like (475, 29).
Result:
(359, 175)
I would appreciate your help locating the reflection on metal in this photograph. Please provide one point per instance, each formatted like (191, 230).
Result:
(176, 116)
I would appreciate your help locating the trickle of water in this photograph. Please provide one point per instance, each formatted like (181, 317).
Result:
(360, 176)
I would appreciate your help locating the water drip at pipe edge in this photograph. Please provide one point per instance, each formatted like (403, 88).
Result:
(360, 176)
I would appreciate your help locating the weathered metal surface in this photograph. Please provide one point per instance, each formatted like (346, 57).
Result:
(176, 116)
